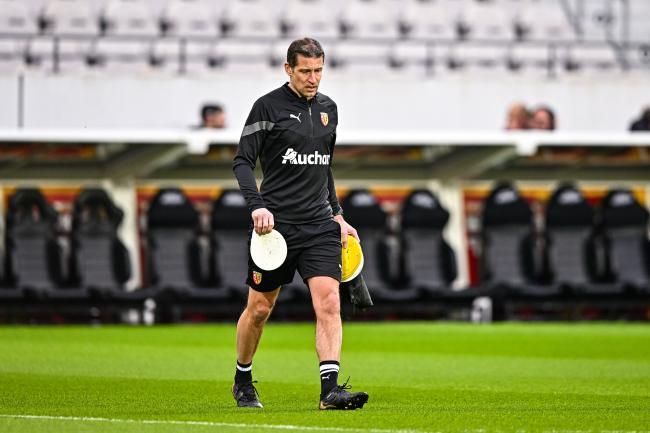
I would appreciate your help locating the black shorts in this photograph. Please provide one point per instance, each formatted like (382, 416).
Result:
(312, 249)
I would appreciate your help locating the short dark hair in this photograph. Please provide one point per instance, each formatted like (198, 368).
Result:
(307, 47)
(208, 109)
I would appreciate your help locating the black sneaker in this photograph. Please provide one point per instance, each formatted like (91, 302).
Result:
(339, 399)
(246, 395)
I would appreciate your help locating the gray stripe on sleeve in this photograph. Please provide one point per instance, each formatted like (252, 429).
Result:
(257, 126)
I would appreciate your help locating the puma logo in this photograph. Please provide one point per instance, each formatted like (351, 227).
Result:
(296, 117)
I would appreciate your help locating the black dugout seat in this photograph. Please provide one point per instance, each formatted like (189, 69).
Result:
(231, 222)
(429, 261)
(101, 262)
(364, 213)
(174, 253)
(624, 225)
(572, 247)
(508, 244)
(35, 258)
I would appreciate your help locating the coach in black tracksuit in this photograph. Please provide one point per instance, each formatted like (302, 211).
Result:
(292, 130)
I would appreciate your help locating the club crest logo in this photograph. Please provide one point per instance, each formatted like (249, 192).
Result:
(324, 118)
(257, 277)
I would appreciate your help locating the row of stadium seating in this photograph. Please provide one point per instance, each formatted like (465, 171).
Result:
(383, 19)
(196, 35)
(580, 252)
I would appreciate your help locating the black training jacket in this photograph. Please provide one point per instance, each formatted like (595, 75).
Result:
(294, 140)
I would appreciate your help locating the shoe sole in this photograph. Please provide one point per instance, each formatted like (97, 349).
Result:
(355, 402)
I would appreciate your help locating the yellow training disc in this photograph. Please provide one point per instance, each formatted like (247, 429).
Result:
(351, 260)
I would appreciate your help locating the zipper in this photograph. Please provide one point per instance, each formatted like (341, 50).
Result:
(311, 122)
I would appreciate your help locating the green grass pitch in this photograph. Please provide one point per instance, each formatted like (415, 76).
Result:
(421, 377)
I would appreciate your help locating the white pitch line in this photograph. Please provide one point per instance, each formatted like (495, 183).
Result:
(279, 426)
(209, 424)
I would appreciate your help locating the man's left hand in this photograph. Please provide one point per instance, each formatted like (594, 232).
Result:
(346, 229)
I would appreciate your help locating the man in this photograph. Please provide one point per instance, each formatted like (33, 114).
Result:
(518, 117)
(212, 116)
(643, 122)
(542, 119)
(293, 130)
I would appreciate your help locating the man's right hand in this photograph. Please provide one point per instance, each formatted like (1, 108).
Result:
(262, 221)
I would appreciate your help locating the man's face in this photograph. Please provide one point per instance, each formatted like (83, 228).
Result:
(541, 120)
(304, 78)
(216, 119)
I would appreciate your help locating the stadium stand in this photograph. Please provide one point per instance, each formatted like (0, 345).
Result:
(138, 35)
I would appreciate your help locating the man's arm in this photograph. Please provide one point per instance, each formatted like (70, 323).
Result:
(337, 211)
(248, 150)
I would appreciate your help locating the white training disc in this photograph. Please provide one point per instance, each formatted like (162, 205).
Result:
(268, 251)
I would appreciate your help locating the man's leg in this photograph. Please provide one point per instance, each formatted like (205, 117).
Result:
(249, 331)
(252, 321)
(329, 337)
(327, 306)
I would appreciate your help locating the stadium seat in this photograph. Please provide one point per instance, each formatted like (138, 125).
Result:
(413, 55)
(117, 54)
(590, 59)
(191, 56)
(35, 256)
(624, 223)
(316, 18)
(130, 28)
(191, 18)
(17, 18)
(129, 18)
(12, 55)
(432, 19)
(467, 57)
(368, 19)
(600, 21)
(242, 55)
(488, 20)
(429, 261)
(174, 255)
(572, 247)
(250, 18)
(508, 245)
(364, 213)
(544, 20)
(55, 54)
(100, 260)
(69, 17)
(353, 55)
(639, 13)
(8, 293)
(230, 222)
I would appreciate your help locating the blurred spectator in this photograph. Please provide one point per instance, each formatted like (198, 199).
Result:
(212, 116)
(643, 122)
(542, 118)
(518, 117)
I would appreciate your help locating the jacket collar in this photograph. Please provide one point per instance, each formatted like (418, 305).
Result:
(295, 96)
